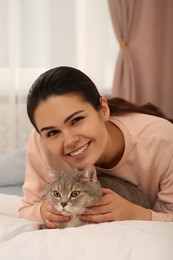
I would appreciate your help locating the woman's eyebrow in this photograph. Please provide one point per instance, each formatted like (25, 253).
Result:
(46, 128)
(65, 121)
(72, 115)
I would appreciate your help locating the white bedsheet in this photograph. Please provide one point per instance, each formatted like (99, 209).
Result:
(123, 240)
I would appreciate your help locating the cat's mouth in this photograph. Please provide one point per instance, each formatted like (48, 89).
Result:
(79, 151)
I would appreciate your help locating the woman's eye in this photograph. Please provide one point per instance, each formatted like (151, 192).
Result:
(75, 194)
(52, 133)
(56, 194)
(76, 120)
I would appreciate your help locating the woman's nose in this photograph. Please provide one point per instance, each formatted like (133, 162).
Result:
(70, 139)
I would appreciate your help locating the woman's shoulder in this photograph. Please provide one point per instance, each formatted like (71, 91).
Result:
(142, 122)
(149, 137)
(145, 128)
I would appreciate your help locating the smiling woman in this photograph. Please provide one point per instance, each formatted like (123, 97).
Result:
(75, 127)
(71, 132)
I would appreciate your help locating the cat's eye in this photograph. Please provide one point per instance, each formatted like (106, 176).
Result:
(56, 194)
(75, 194)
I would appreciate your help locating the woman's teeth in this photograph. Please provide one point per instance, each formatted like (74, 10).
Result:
(79, 151)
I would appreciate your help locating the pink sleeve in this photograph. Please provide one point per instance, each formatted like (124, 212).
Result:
(163, 207)
(36, 179)
(157, 216)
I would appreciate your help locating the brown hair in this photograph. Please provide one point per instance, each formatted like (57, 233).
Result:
(119, 106)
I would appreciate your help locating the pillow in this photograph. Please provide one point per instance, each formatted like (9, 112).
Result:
(12, 167)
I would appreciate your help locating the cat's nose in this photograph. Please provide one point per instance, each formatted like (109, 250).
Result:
(63, 204)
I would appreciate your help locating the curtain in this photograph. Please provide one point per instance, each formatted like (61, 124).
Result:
(122, 18)
(36, 35)
(144, 68)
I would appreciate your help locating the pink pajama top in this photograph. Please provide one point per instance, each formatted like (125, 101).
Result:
(147, 162)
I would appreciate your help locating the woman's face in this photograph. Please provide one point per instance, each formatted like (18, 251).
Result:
(73, 130)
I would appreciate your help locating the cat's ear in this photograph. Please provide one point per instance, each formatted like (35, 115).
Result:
(52, 172)
(90, 173)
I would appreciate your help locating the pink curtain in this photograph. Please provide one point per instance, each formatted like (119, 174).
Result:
(144, 69)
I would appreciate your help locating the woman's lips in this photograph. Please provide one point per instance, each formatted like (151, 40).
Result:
(79, 151)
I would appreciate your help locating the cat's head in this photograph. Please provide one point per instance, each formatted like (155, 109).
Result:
(72, 193)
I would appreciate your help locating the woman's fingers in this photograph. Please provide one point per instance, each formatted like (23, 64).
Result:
(56, 217)
(50, 224)
(52, 218)
(99, 218)
(109, 207)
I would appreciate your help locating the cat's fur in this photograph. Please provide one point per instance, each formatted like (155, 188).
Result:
(73, 193)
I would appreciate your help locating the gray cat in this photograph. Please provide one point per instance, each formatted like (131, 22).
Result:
(73, 193)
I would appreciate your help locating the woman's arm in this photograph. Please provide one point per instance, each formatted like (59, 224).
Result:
(36, 179)
(112, 207)
(163, 207)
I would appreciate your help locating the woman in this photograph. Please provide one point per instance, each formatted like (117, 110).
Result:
(75, 127)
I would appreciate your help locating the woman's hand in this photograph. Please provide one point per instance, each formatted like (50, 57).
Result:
(51, 217)
(111, 207)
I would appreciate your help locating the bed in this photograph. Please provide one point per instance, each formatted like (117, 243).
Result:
(23, 239)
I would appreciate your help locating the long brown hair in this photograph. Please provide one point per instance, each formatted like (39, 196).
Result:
(119, 106)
